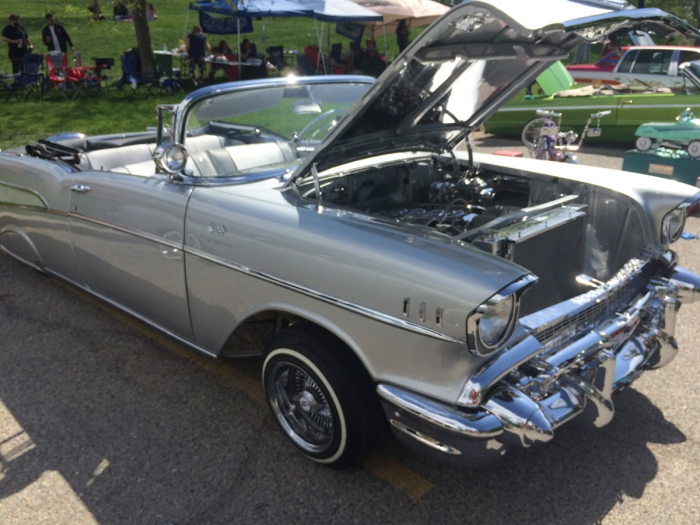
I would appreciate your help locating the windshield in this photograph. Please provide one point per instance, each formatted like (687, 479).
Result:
(246, 130)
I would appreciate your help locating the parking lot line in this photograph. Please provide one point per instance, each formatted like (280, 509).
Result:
(397, 475)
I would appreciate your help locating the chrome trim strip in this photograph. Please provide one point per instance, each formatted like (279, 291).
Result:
(478, 425)
(579, 108)
(22, 188)
(123, 229)
(422, 438)
(20, 259)
(132, 313)
(553, 108)
(495, 369)
(367, 312)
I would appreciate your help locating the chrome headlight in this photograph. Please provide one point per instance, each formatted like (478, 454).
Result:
(492, 323)
(672, 226)
(170, 157)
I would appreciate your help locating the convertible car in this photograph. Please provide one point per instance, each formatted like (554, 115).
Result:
(475, 303)
(631, 105)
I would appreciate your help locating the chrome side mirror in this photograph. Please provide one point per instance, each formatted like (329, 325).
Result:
(161, 109)
(170, 158)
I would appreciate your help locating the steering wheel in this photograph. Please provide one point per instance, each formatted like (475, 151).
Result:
(323, 126)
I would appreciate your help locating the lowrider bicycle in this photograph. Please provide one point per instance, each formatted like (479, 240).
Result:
(476, 303)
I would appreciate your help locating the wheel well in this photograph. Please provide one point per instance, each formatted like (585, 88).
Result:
(250, 337)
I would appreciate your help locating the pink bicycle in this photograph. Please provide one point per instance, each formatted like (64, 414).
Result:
(546, 141)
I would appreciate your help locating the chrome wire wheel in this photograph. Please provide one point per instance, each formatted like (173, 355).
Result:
(301, 406)
(321, 396)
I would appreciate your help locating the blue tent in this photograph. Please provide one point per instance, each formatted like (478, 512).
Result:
(242, 10)
(323, 10)
(251, 8)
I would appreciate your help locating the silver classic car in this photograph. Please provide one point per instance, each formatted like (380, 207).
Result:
(346, 231)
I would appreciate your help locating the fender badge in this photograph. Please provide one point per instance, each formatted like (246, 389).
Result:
(219, 229)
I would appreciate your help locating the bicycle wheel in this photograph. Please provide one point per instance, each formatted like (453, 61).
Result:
(531, 131)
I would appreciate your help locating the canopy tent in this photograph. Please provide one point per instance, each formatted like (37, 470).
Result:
(319, 10)
(339, 11)
(418, 12)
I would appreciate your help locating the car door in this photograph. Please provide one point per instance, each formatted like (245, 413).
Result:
(635, 110)
(682, 57)
(127, 233)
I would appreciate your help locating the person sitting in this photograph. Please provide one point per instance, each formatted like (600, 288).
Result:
(255, 64)
(245, 49)
(151, 12)
(197, 47)
(121, 12)
(96, 11)
(352, 58)
(335, 58)
(221, 51)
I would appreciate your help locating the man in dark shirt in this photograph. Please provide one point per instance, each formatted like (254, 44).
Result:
(18, 43)
(55, 36)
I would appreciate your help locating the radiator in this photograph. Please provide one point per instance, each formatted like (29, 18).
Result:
(551, 246)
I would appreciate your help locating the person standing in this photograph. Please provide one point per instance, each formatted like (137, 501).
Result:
(55, 36)
(197, 47)
(402, 34)
(18, 43)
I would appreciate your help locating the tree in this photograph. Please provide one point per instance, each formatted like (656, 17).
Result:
(689, 10)
(139, 13)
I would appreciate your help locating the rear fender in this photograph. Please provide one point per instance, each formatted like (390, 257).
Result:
(17, 243)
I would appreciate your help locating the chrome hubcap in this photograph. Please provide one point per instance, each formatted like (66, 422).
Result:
(301, 407)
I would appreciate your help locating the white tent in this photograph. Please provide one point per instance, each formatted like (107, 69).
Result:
(339, 11)
(418, 13)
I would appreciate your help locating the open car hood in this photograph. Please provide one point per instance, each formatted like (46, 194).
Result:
(466, 65)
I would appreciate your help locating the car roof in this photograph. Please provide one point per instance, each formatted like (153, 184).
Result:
(681, 48)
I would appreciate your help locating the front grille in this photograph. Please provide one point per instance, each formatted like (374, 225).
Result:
(602, 309)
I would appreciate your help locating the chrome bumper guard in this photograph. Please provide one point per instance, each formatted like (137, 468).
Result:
(502, 407)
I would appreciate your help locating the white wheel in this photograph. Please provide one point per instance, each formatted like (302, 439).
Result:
(694, 149)
(643, 143)
(321, 398)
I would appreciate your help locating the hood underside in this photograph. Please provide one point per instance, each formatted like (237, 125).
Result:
(466, 65)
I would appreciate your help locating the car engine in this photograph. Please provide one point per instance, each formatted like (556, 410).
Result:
(558, 229)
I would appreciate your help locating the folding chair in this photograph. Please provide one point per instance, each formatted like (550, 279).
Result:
(30, 80)
(131, 76)
(303, 66)
(57, 75)
(233, 72)
(169, 77)
(312, 55)
(101, 66)
(336, 59)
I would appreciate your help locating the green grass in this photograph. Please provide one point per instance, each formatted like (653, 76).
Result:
(26, 121)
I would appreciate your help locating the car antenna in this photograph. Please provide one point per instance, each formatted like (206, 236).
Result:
(317, 186)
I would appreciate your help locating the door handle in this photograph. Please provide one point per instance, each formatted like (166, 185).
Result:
(80, 188)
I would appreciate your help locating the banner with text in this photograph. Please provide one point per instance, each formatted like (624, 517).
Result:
(224, 25)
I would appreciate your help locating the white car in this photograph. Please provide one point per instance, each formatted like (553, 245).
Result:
(654, 66)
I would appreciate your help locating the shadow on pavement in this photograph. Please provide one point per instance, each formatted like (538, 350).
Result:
(183, 446)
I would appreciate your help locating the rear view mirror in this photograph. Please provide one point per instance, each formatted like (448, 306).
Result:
(305, 107)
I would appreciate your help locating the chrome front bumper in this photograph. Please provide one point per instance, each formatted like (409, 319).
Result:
(522, 395)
